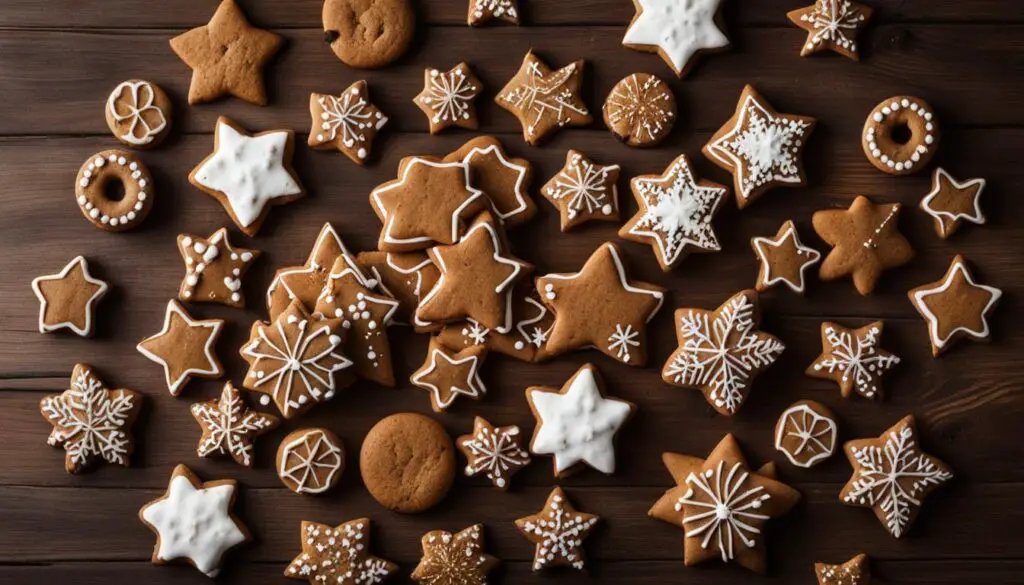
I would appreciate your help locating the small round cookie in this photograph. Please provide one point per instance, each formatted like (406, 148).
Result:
(806, 433)
(640, 110)
(310, 461)
(407, 462)
(901, 135)
(115, 211)
(138, 113)
(368, 33)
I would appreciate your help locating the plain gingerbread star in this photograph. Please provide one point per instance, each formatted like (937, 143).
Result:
(67, 300)
(454, 559)
(951, 202)
(348, 122)
(184, 347)
(583, 191)
(853, 358)
(678, 31)
(339, 555)
(449, 98)
(448, 374)
(955, 307)
(227, 56)
(783, 259)
(855, 571)
(558, 531)
(496, 452)
(832, 25)
(229, 428)
(544, 100)
(503, 178)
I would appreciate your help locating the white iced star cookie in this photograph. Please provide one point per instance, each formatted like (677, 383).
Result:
(678, 31)
(577, 424)
(248, 173)
(193, 521)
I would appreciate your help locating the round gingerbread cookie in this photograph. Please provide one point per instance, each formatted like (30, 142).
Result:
(368, 33)
(407, 462)
(640, 110)
(138, 113)
(310, 461)
(111, 209)
(901, 135)
(806, 433)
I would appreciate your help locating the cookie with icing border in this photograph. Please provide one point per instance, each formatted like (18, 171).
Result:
(640, 110)
(583, 191)
(449, 98)
(448, 374)
(806, 433)
(454, 559)
(368, 35)
(853, 359)
(214, 269)
(348, 122)
(952, 202)
(543, 99)
(402, 446)
(310, 461)
(832, 25)
(229, 427)
(504, 179)
(783, 259)
(955, 307)
(138, 113)
(495, 452)
(68, 299)
(679, 32)
(185, 347)
(406, 276)
(558, 531)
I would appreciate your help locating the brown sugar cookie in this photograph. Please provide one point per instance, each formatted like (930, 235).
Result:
(449, 98)
(214, 269)
(454, 559)
(558, 531)
(484, 11)
(833, 25)
(856, 571)
(407, 462)
(527, 341)
(901, 135)
(406, 276)
(865, 242)
(806, 433)
(783, 259)
(496, 452)
(853, 358)
(951, 202)
(67, 300)
(448, 374)
(339, 555)
(640, 110)
(583, 191)
(229, 427)
(310, 461)
(680, 32)
(368, 33)
(185, 347)
(955, 307)
(544, 100)
(92, 190)
(348, 122)
(504, 179)
(227, 56)
(138, 113)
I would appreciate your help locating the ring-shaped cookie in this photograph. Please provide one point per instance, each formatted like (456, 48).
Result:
(91, 190)
(901, 135)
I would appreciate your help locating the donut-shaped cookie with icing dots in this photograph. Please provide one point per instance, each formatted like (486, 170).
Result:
(901, 135)
(97, 205)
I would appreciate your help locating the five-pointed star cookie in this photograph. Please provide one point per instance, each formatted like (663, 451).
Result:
(722, 505)
(577, 424)
(426, 205)
(600, 307)
(678, 31)
(865, 242)
(449, 97)
(676, 209)
(348, 122)
(761, 147)
(496, 452)
(853, 358)
(504, 179)
(338, 555)
(892, 476)
(544, 100)
(855, 571)
(833, 25)
(67, 300)
(558, 530)
(229, 428)
(583, 191)
(783, 259)
(248, 173)
(214, 269)
(454, 559)
(955, 307)
(952, 202)
(448, 374)
(722, 351)
(484, 11)
(227, 56)
(91, 422)
(184, 347)
(193, 521)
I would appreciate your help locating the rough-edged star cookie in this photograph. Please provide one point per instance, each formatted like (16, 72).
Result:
(483, 11)
(856, 571)
(185, 347)
(544, 100)
(449, 98)
(496, 452)
(955, 307)
(448, 374)
(558, 531)
(339, 555)
(832, 25)
(67, 300)
(214, 269)
(783, 259)
(951, 202)
(454, 559)
(583, 191)
(229, 427)
(679, 32)
(853, 358)
(348, 122)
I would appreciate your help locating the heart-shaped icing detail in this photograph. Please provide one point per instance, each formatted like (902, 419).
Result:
(233, 284)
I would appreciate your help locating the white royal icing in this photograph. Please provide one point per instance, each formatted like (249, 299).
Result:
(521, 171)
(878, 118)
(173, 308)
(678, 29)
(89, 308)
(810, 255)
(142, 96)
(473, 386)
(304, 461)
(974, 217)
(449, 95)
(817, 435)
(933, 320)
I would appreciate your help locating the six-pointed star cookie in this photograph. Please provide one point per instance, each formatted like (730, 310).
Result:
(678, 31)
(484, 11)
(855, 571)
(184, 347)
(722, 505)
(853, 359)
(227, 56)
(67, 300)
(214, 269)
(583, 191)
(722, 351)
(955, 307)
(892, 475)
(348, 122)
(229, 428)
(762, 148)
(454, 559)
(676, 209)
(577, 424)
(338, 555)
(496, 452)
(504, 179)
(600, 307)
(558, 530)
(544, 100)
(865, 242)
(833, 25)
(783, 259)
(193, 521)
(449, 97)
(447, 374)
(952, 202)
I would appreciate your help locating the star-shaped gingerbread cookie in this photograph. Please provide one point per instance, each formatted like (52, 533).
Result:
(677, 31)
(504, 179)
(214, 269)
(853, 358)
(229, 427)
(449, 98)
(783, 259)
(865, 242)
(955, 307)
(558, 531)
(67, 300)
(583, 191)
(406, 276)
(305, 283)
(185, 347)
(856, 571)
(348, 122)
(496, 452)
(484, 11)
(454, 559)
(339, 555)
(951, 202)
(227, 56)
(544, 100)
(833, 25)
(448, 374)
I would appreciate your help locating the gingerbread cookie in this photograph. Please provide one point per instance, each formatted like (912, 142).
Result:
(640, 110)
(454, 559)
(93, 190)
(348, 122)
(761, 147)
(339, 555)
(783, 259)
(227, 56)
(833, 25)
(310, 461)
(577, 424)
(67, 300)
(90, 422)
(722, 351)
(678, 32)
(407, 462)
(214, 269)
(449, 374)
(193, 521)
(527, 341)
(544, 100)
(558, 531)
(184, 347)
(853, 358)
(955, 307)
(865, 242)
(496, 452)
(951, 202)
(504, 179)
(406, 276)
(855, 571)
(892, 476)
(484, 11)
(901, 135)
(229, 428)
(676, 209)
(138, 113)
(583, 191)
(448, 98)
(368, 34)
(806, 433)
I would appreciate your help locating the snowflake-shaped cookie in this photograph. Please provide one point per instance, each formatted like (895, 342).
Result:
(229, 428)
(496, 452)
(448, 97)
(853, 358)
(454, 559)
(583, 191)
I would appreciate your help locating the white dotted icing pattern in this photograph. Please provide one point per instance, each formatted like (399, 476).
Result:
(200, 253)
(924, 142)
(94, 202)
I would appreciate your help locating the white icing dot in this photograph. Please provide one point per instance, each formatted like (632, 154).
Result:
(81, 200)
(84, 182)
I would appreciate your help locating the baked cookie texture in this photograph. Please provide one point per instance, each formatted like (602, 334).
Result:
(368, 34)
(407, 462)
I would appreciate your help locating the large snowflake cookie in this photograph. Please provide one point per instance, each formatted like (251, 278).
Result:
(558, 531)
(229, 427)
(67, 300)
(348, 122)
(853, 358)
(339, 555)
(454, 559)
(833, 25)
(892, 476)
(722, 505)
(214, 269)
(583, 190)
(722, 351)
(310, 461)
(545, 100)
(678, 31)
(496, 452)
(185, 347)
(448, 98)
(955, 307)
(806, 433)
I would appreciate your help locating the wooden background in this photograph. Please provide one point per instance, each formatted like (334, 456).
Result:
(59, 59)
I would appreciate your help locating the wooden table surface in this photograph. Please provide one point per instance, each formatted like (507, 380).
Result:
(59, 59)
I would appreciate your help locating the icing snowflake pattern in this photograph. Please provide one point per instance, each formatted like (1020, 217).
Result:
(496, 453)
(454, 559)
(450, 95)
(229, 427)
(831, 20)
(857, 357)
(545, 94)
(623, 339)
(349, 114)
(723, 508)
(475, 333)
(558, 532)
(584, 184)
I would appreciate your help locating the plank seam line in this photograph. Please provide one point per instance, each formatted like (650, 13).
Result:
(809, 486)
